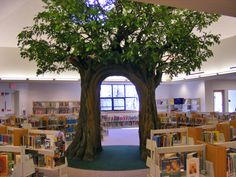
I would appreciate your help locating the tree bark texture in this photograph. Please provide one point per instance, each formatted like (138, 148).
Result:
(148, 118)
(87, 142)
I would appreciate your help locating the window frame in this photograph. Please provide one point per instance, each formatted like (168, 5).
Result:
(112, 98)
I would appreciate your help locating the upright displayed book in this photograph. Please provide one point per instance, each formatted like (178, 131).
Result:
(192, 167)
(174, 161)
(171, 167)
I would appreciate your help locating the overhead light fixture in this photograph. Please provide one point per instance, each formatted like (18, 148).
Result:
(209, 74)
(13, 78)
(40, 79)
(67, 79)
(232, 67)
(227, 72)
(196, 73)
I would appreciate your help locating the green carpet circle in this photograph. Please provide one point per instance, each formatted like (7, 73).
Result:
(113, 158)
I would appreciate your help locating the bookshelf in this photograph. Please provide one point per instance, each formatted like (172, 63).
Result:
(156, 164)
(46, 147)
(55, 107)
(50, 150)
(21, 163)
(66, 123)
(119, 119)
(170, 137)
(226, 156)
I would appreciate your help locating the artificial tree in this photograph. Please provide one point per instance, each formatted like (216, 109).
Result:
(119, 37)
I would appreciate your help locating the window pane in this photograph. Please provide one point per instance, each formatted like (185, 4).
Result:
(106, 104)
(119, 104)
(118, 91)
(132, 104)
(106, 91)
(130, 91)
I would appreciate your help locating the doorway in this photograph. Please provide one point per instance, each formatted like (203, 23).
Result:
(232, 100)
(119, 113)
(219, 105)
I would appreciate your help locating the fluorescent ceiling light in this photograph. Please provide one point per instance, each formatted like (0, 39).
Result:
(40, 79)
(196, 73)
(13, 78)
(227, 72)
(67, 79)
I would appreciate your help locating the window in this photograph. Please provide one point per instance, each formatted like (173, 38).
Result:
(218, 100)
(116, 97)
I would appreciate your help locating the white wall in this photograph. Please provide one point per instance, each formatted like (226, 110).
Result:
(163, 91)
(43, 91)
(59, 91)
(189, 89)
(217, 85)
(23, 96)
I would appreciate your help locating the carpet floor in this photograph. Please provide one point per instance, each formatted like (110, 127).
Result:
(113, 158)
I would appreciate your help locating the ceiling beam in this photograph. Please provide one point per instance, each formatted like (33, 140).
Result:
(222, 7)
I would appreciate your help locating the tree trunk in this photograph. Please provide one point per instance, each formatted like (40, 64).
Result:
(148, 118)
(87, 141)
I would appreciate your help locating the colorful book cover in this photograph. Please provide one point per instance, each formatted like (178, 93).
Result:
(3, 164)
(1, 139)
(49, 161)
(171, 167)
(192, 167)
(47, 143)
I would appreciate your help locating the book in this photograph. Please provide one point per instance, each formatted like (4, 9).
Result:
(3, 164)
(41, 160)
(192, 167)
(171, 167)
(49, 161)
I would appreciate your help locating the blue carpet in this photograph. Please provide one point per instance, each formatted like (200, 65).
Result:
(112, 158)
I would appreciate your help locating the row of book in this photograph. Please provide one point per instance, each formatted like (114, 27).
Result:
(120, 124)
(38, 141)
(231, 162)
(56, 104)
(108, 118)
(211, 136)
(6, 139)
(164, 140)
(62, 110)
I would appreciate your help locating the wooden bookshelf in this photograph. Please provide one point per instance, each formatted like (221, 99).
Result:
(55, 107)
(201, 149)
(217, 155)
(3, 129)
(225, 129)
(24, 167)
(121, 119)
(195, 133)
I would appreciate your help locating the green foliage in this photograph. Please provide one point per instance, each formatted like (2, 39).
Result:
(153, 38)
